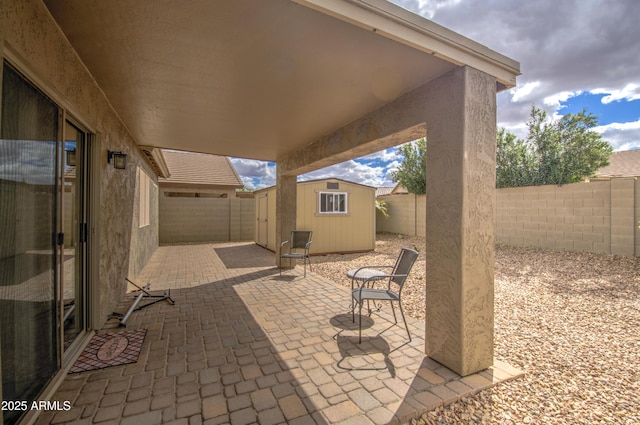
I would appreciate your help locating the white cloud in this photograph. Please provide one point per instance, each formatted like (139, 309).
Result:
(371, 170)
(353, 171)
(629, 92)
(255, 174)
(426, 8)
(522, 92)
(386, 155)
(622, 136)
(635, 125)
(556, 100)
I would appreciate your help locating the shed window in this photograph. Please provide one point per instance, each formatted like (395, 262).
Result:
(333, 202)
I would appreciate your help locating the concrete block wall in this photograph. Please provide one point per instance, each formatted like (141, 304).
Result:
(623, 218)
(407, 215)
(571, 217)
(637, 216)
(196, 220)
(600, 216)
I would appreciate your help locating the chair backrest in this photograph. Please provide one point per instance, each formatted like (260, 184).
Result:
(300, 238)
(403, 265)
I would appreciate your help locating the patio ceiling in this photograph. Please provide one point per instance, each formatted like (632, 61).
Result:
(258, 79)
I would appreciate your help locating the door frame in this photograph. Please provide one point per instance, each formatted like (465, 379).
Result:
(91, 189)
(262, 222)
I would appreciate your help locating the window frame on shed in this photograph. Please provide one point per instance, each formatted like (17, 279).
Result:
(322, 206)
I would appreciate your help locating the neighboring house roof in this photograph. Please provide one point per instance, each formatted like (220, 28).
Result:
(396, 190)
(399, 190)
(381, 191)
(202, 170)
(621, 164)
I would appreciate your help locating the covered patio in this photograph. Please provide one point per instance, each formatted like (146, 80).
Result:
(304, 84)
(242, 345)
(308, 84)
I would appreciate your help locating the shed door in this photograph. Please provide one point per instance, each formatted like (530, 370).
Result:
(263, 220)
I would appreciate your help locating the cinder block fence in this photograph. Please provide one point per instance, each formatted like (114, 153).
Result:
(600, 216)
(193, 220)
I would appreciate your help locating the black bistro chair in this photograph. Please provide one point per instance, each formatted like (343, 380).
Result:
(298, 248)
(371, 275)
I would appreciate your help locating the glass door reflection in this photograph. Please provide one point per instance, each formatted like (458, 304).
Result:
(75, 225)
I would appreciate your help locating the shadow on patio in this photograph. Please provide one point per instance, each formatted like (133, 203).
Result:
(242, 346)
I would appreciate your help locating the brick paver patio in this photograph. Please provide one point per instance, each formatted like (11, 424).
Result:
(242, 345)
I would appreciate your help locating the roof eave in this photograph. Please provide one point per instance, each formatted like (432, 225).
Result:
(157, 161)
(394, 22)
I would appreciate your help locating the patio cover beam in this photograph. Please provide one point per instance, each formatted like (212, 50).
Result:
(397, 122)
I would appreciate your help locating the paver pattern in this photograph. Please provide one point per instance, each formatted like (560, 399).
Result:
(243, 345)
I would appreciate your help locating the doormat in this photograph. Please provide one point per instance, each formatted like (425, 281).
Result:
(110, 349)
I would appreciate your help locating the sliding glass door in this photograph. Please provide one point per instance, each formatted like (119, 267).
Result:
(43, 239)
(29, 150)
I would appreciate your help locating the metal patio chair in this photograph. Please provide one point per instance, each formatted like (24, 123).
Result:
(367, 291)
(298, 245)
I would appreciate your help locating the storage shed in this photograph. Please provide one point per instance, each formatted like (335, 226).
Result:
(341, 215)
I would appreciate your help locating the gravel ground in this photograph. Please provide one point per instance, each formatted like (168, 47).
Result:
(571, 321)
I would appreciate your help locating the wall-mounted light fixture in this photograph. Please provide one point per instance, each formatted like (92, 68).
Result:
(71, 157)
(119, 159)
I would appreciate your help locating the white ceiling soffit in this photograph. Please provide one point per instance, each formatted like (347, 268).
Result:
(258, 79)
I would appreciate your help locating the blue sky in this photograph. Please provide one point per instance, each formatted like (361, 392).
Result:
(574, 54)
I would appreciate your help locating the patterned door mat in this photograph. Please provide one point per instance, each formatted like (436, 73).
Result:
(110, 349)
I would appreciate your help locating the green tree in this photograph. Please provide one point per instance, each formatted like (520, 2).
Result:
(412, 171)
(560, 151)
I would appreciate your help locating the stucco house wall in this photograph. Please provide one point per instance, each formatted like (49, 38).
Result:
(33, 43)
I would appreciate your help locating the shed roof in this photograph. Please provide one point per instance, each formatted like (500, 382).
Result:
(199, 169)
(320, 180)
(335, 178)
(621, 164)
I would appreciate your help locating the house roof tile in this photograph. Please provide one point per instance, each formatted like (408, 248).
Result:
(200, 169)
(381, 191)
(622, 164)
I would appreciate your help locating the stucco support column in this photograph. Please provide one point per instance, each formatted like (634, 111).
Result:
(461, 159)
(286, 192)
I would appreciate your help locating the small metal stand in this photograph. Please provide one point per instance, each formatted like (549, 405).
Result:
(144, 293)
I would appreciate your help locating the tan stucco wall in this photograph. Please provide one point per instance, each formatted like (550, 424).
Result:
(32, 42)
(354, 231)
